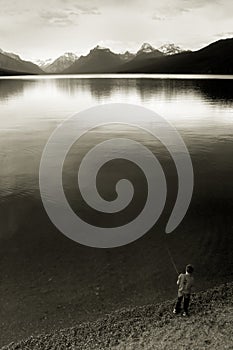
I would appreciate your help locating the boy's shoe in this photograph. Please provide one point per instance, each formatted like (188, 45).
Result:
(175, 312)
(184, 314)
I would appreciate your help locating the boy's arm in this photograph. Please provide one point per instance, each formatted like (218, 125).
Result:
(178, 280)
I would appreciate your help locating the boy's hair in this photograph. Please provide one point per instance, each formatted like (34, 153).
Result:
(189, 268)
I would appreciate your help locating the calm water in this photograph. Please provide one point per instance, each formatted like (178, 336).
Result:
(48, 281)
(31, 108)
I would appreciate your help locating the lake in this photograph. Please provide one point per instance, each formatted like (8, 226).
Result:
(47, 280)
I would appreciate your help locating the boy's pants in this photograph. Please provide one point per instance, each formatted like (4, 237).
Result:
(186, 303)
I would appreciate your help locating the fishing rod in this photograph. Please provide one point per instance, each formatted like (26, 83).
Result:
(171, 259)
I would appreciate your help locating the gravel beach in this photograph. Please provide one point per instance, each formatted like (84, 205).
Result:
(209, 326)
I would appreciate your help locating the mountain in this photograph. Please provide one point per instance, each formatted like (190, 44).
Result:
(147, 51)
(43, 64)
(11, 64)
(126, 56)
(215, 58)
(171, 49)
(10, 54)
(99, 60)
(60, 64)
(103, 60)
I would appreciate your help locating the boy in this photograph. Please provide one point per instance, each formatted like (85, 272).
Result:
(185, 284)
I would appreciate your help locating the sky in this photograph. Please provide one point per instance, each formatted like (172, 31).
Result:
(41, 29)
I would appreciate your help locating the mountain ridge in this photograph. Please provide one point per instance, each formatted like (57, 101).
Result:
(59, 64)
(11, 64)
(98, 60)
(67, 59)
(215, 58)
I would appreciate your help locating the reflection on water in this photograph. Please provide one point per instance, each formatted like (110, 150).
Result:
(187, 103)
(215, 90)
(10, 89)
(31, 107)
(210, 89)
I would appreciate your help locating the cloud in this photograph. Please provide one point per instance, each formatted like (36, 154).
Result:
(170, 9)
(158, 18)
(167, 13)
(59, 17)
(87, 10)
(69, 14)
(224, 34)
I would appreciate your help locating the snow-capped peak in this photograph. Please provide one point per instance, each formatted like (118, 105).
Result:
(146, 48)
(98, 47)
(70, 55)
(170, 49)
(44, 63)
(10, 54)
